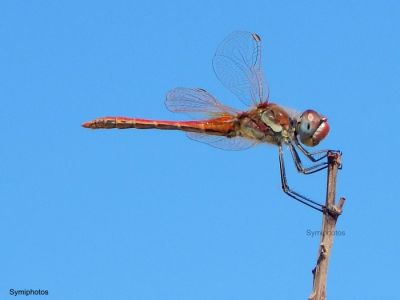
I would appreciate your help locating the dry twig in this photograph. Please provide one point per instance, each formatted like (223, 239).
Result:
(329, 219)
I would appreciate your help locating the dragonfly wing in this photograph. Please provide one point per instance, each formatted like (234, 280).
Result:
(222, 142)
(197, 103)
(237, 64)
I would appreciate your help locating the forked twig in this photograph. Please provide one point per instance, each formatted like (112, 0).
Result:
(330, 216)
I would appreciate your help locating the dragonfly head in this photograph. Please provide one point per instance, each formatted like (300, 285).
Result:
(312, 128)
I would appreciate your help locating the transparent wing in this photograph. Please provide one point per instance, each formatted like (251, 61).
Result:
(237, 64)
(222, 142)
(197, 103)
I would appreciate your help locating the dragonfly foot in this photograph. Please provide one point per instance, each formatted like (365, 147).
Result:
(335, 156)
(332, 211)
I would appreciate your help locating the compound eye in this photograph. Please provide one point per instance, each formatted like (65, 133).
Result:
(311, 121)
(312, 128)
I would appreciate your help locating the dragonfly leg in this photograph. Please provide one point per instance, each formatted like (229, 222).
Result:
(314, 156)
(291, 193)
(321, 153)
(299, 165)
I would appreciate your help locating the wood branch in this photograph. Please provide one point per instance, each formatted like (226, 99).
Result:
(329, 219)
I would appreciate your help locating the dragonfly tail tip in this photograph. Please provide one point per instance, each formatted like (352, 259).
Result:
(87, 125)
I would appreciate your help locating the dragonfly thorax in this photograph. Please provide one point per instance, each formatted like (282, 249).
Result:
(268, 123)
(279, 123)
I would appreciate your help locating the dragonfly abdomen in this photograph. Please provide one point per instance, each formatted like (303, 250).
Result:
(219, 126)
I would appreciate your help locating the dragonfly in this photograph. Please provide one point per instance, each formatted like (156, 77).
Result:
(237, 64)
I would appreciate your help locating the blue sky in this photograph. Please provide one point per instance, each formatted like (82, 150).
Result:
(154, 215)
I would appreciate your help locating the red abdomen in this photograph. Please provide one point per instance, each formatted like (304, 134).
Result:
(218, 126)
